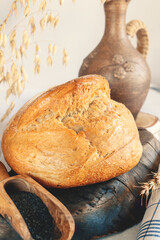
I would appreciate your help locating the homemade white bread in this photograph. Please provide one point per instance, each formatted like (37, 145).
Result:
(73, 135)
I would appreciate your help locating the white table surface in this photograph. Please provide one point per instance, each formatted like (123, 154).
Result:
(151, 105)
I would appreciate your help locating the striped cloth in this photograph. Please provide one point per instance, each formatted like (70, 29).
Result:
(150, 226)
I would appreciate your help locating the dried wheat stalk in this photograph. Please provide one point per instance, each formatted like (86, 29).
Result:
(9, 110)
(151, 185)
(103, 1)
(15, 75)
(65, 57)
(61, 2)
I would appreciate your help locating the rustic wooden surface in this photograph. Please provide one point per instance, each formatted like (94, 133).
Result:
(115, 205)
(116, 59)
(8, 210)
(146, 120)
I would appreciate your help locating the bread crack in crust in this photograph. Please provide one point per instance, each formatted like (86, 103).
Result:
(73, 135)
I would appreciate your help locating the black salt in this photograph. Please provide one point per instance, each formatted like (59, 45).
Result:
(36, 215)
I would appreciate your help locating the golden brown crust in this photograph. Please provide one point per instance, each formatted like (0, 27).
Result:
(73, 135)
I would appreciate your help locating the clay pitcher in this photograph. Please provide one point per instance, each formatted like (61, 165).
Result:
(116, 59)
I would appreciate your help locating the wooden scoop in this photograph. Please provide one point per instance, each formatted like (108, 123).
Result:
(9, 211)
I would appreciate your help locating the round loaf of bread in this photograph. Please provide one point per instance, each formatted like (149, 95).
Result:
(72, 135)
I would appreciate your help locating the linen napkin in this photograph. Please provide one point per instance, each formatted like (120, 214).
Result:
(150, 226)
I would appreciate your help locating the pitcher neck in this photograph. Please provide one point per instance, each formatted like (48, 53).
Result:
(115, 15)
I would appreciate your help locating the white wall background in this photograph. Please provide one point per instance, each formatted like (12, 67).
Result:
(80, 30)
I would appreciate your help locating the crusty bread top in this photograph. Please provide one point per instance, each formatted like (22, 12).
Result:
(72, 135)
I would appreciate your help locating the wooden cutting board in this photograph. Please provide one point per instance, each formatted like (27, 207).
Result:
(115, 205)
(111, 206)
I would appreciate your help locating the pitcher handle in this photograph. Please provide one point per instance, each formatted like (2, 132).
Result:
(138, 27)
